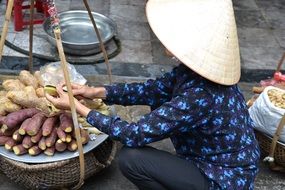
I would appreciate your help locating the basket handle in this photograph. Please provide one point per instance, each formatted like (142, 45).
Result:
(270, 157)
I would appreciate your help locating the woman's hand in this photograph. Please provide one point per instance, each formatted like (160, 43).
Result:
(88, 92)
(62, 101)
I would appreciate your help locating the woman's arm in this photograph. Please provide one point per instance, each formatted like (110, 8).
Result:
(181, 112)
(152, 92)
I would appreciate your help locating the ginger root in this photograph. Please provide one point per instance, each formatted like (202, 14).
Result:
(28, 79)
(13, 84)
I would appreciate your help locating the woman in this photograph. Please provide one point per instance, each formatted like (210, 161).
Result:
(198, 105)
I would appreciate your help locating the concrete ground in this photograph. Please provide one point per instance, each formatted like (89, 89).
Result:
(261, 31)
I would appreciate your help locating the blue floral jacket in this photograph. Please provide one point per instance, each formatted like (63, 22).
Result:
(207, 123)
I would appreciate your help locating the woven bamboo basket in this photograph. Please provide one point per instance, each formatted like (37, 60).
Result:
(62, 174)
(265, 142)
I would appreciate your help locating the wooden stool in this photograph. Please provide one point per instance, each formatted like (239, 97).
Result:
(19, 21)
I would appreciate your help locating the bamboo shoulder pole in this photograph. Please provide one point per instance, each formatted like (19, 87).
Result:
(31, 33)
(72, 106)
(100, 40)
(5, 26)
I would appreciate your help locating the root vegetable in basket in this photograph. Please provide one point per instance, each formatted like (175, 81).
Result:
(60, 146)
(61, 134)
(35, 150)
(14, 119)
(39, 79)
(51, 139)
(28, 79)
(10, 144)
(13, 84)
(27, 142)
(4, 139)
(42, 143)
(48, 125)
(72, 146)
(68, 138)
(24, 125)
(277, 98)
(66, 123)
(7, 132)
(50, 151)
(17, 136)
(37, 137)
(40, 92)
(11, 107)
(19, 149)
(35, 124)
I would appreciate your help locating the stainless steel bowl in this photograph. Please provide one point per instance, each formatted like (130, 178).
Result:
(78, 34)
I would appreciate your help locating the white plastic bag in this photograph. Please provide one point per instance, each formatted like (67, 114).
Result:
(265, 115)
(52, 74)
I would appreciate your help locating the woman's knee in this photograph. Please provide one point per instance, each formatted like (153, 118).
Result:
(129, 157)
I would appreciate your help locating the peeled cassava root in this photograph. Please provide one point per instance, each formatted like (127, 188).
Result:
(29, 131)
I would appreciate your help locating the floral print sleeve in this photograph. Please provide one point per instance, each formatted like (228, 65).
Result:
(182, 111)
(143, 93)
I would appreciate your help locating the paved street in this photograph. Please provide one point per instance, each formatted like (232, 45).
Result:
(261, 31)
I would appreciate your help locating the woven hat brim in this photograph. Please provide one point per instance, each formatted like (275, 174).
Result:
(202, 34)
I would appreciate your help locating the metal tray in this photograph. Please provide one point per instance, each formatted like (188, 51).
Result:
(78, 34)
(58, 156)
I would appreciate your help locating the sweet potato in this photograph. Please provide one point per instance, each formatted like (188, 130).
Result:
(68, 138)
(24, 125)
(40, 92)
(66, 123)
(37, 137)
(72, 146)
(35, 124)
(35, 150)
(19, 149)
(51, 139)
(61, 134)
(16, 118)
(10, 144)
(17, 136)
(7, 132)
(42, 143)
(48, 125)
(28, 79)
(27, 142)
(3, 140)
(60, 146)
(13, 84)
(50, 151)
(39, 79)
(11, 106)
(84, 136)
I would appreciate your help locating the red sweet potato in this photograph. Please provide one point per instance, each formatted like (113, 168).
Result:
(16, 118)
(17, 136)
(27, 142)
(50, 151)
(68, 138)
(24, 125)
(19, 149)
(35, 150)
(60, 146)
(10, 144)
(51, 139)
(48, 125)
(66, 123)
(61, 134)
(4, 139)
(72, 146)
(42, 143)
(35, 124)
(37, 137)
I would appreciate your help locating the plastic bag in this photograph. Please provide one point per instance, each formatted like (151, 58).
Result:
(52, 74)
(265, 115)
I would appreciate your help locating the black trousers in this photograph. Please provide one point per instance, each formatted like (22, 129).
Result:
(149, 168)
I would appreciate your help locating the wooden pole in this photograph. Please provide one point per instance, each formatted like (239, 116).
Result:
(5, 26)
(32, 7)
(57, 34)
(100, 40)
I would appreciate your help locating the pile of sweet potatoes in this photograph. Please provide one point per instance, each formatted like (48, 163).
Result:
(30, 131)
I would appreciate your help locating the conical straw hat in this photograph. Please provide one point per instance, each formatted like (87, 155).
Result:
(202, 34)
